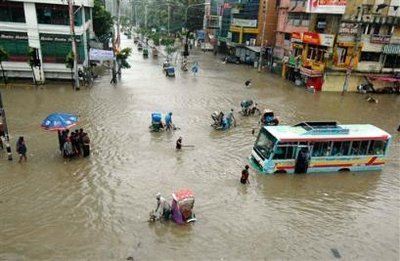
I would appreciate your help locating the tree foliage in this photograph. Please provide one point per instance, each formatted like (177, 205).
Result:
(3, 54)
(102, 20)
(122, 57)
(69, 60)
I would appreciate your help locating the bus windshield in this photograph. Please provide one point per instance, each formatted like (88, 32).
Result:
(265, 143)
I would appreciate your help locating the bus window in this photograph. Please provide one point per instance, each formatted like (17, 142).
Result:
(320, 149)
(265, 143)
(340, 148)
(285, 151)
(355, 148)
(364, 147)
(377, 147)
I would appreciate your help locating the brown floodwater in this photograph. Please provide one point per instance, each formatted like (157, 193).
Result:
(96, 208)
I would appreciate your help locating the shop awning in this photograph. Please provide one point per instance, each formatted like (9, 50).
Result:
(384, 78)
(391, 49)
(310, 73)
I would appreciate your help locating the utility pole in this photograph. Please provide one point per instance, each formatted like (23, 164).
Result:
(4, 131)
(169, 11)
(145, 16)
(265, 10)
(355, 49)
(72, 31)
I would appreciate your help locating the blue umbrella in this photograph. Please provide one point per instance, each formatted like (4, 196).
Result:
(59, 121)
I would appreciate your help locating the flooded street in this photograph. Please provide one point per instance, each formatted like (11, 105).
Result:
(96, 208)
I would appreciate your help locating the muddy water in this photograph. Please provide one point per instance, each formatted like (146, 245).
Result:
(96, 208)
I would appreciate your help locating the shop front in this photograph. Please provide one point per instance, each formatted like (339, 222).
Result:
(292, 62)
(317, 49)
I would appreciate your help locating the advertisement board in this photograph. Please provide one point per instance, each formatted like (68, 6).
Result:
(318, 39)
(244, 22)
(326, 6)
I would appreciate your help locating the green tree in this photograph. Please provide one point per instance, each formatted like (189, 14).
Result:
(102, 20)
(3, 57)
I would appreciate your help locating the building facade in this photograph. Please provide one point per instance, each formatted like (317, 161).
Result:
(44, 25)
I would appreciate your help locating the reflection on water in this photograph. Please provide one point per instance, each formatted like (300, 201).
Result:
(97, 208)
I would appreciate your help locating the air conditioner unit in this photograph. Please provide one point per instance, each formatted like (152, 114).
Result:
(367, 18)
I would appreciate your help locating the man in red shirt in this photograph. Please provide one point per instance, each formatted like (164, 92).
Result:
(245, 175)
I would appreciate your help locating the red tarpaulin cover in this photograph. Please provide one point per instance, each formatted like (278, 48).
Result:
(384, 78)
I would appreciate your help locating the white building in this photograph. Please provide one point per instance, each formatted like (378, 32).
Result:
(43, 24)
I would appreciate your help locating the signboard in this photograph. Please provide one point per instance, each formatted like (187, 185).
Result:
(346, 39)
(13, 36)
(380, 39)
(100, 55)
(244, 22)
(348, 28)
(318, 39)
(297, 37)
(60, 38)
(326, 6)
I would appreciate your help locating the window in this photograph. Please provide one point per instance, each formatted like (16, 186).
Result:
(392, 61)
(298, 19)
(288, 36)
(370, 56)
(359, 147)
(376, 147)
(342, 54)
(320, 149)
(340, 148)
(376, 29)
(285, 150)
(12, 12)
(265, 143)
(56, 14)
(316, 53)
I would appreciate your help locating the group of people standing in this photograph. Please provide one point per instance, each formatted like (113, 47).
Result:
(74, 144)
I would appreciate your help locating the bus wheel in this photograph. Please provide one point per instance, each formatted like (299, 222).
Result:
(343, 170)
(280, 172)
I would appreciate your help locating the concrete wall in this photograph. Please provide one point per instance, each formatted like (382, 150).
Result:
(333, 82)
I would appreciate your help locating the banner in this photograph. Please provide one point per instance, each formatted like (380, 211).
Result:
(318, 39)
(100, 55)
(326, 6)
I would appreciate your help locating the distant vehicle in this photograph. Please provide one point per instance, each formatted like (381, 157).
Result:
(154, 51)
(140, 47)
(207, 47)
(232, 59)
(320, 147)
(169, 71)
(145, 53)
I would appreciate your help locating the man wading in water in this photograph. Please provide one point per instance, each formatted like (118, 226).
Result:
(245, 175)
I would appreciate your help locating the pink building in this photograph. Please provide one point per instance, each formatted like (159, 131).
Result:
(292, 17)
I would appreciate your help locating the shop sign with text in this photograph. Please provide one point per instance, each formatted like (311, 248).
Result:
(348, 28)
(13, 36)
(60, 38)
(297, 37)
(326, 6)
(244, 22)
(318, 39)
(380, 39)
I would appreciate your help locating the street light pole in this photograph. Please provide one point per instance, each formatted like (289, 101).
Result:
(72, 31)
(265, 7)
(5, 129)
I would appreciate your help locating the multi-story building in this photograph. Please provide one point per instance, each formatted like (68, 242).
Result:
(292, 22)
(313, 49)
(44, 25)
(245, 34)
(367, 45)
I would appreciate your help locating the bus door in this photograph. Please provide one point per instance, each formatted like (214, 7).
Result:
(302, 159)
